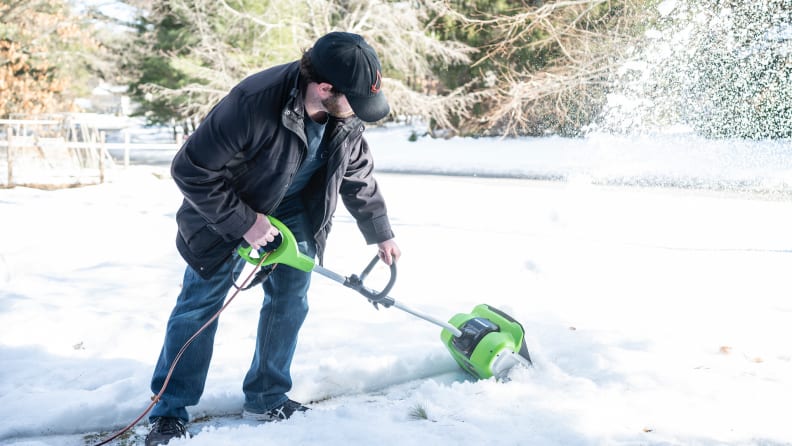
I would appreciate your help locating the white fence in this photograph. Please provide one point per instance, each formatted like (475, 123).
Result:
(57, 153)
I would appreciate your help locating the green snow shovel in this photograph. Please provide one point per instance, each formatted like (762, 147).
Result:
(485, 342)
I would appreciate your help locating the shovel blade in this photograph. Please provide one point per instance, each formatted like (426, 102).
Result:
(491, 343)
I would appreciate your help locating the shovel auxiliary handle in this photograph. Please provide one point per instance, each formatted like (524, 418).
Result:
(287, 253)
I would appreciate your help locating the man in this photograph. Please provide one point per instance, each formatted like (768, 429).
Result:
(285, 142)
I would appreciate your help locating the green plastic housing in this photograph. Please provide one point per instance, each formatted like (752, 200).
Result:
(286, 253)
(479, 363)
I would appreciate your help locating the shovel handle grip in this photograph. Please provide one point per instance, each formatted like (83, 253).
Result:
(286, 252)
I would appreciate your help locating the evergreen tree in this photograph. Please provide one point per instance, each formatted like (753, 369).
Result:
(160, 38)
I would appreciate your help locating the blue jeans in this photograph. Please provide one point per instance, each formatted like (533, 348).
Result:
(282, 314)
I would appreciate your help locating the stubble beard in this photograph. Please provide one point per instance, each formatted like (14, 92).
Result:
(336, 108)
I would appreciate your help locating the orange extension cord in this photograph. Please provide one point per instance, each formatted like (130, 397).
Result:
(156, 398)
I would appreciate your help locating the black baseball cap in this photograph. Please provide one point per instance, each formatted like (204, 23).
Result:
(350, 64)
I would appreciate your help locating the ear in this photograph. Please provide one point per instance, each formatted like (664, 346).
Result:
(325, 89)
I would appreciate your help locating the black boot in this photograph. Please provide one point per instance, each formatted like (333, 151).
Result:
(163, 429)
(283, 412)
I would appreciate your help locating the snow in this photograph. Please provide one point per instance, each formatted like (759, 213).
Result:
(651, 275)
(665, 7)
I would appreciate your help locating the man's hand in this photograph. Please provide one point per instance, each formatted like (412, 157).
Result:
(389, 252)
(261, 233)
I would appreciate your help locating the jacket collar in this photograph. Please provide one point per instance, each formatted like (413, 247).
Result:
(294, 109)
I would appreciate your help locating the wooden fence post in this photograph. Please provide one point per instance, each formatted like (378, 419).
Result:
(127, 142)
(9, 155)
(101, 157)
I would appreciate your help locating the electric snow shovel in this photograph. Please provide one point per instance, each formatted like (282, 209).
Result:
(485, 342)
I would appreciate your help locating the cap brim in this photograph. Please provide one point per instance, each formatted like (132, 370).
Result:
(369, 108)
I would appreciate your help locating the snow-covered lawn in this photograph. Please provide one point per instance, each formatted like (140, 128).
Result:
(656, 316)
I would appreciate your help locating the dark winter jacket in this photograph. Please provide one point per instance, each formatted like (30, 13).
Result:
(242, 158)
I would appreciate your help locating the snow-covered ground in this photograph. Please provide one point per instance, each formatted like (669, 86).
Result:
(654, 315)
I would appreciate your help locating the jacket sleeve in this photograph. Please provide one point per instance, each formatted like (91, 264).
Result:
(363, 198)
(199, 168)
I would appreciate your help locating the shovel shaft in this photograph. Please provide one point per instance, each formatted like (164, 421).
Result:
(345, 281)
(288, 254)
(453, 330)
(330, 274)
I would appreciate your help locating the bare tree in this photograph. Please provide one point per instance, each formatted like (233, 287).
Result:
(233, 40)
(401, 34)
(586, 38)
(44, 48)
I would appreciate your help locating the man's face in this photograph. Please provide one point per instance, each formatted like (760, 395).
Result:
(337, 105)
